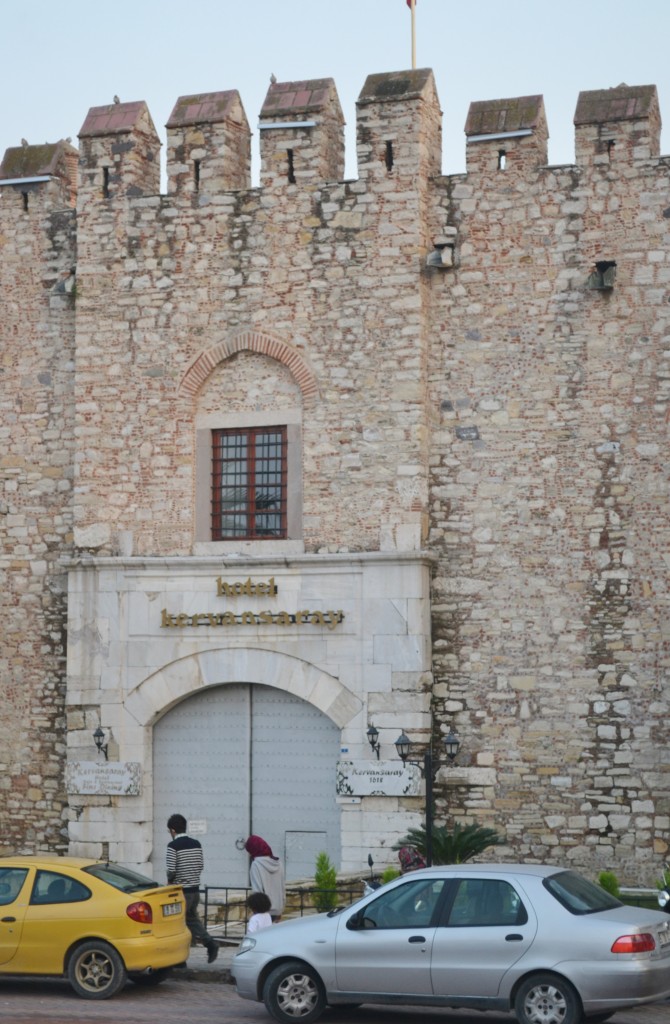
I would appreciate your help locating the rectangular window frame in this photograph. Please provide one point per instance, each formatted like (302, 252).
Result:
(250, 469)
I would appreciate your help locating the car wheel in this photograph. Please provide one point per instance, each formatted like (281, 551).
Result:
(149, 980)
(547, 999)
(96, 971)
(293, 992)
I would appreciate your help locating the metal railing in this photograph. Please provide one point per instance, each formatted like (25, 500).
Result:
(225, 911)
(639, 896)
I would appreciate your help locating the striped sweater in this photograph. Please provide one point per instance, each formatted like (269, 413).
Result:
(184, 862)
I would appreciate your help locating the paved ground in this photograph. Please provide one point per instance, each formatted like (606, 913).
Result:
(202, 993)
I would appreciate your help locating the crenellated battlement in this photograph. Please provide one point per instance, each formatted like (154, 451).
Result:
(301, 139)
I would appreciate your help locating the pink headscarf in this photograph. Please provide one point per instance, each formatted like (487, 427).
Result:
(257, 847)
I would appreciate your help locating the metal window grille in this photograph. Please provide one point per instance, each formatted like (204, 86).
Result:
(249, 484)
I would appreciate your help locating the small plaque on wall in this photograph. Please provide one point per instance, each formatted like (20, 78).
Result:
(197, 827)
(377, 778)
(90, 778)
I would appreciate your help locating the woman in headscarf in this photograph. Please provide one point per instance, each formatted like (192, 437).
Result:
(266, 874)
(410, 859)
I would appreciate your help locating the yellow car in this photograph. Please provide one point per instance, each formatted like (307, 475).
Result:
(98, 924)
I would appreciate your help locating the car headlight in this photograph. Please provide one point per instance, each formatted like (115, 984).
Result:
(246, 944)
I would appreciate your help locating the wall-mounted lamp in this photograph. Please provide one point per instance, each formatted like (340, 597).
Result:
(373, 736)
(99, 738)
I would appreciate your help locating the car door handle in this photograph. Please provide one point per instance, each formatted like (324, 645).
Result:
(8, 920)
(416, 938)
(514, 937)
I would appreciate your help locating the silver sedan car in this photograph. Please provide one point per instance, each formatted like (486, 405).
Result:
(540, 941)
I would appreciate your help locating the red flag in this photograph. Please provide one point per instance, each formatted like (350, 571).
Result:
(409, 3)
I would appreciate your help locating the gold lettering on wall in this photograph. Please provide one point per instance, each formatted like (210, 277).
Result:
(330, 619)
(248, 589)
(304, 617)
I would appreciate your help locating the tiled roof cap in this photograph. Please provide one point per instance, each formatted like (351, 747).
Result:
(207, 108)
(490, 117)
(622, 103)
(395, 85)
(34, 161)
(288, 98)
(114, 119)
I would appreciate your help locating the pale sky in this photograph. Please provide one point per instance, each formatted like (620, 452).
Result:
(59, 59)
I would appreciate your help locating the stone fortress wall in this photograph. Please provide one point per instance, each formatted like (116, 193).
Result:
(478, 366)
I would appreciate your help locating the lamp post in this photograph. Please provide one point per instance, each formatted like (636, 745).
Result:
(427, 767)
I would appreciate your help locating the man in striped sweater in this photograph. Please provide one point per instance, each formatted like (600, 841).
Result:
(184, 867)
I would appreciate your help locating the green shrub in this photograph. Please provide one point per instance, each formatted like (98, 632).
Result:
(608, 881)
(452, 847)
(325, 877)
(388, 874)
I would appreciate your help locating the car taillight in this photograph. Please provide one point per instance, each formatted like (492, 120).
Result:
(643, 943)
(140, 912)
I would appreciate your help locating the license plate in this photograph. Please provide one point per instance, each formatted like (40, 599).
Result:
(664, 938)
(171, 908)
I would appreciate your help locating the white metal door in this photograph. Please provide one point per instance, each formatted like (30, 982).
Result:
(240, 759)
(201, 758)
(302, 849)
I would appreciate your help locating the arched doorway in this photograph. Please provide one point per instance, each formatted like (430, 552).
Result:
(244, 758)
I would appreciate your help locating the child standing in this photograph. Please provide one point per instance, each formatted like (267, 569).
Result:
(260, 904)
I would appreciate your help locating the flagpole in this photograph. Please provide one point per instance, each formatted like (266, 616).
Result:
(413, 10)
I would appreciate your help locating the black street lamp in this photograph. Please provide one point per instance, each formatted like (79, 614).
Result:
(99, 738)
(428, 766)
(373, 738)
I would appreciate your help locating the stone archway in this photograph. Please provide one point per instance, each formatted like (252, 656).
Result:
(246, 758)
(159, 692)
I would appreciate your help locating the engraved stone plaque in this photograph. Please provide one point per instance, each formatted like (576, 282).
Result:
(116, 778)
(377, 778)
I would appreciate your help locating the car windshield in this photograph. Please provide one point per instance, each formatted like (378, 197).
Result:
(578, 895)
(121, 878)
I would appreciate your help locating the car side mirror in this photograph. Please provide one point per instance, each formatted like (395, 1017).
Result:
(359, 921)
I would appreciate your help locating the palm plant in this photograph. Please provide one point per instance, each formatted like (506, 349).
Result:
(455, 846)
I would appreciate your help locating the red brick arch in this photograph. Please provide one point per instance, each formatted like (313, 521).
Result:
(250, 341)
